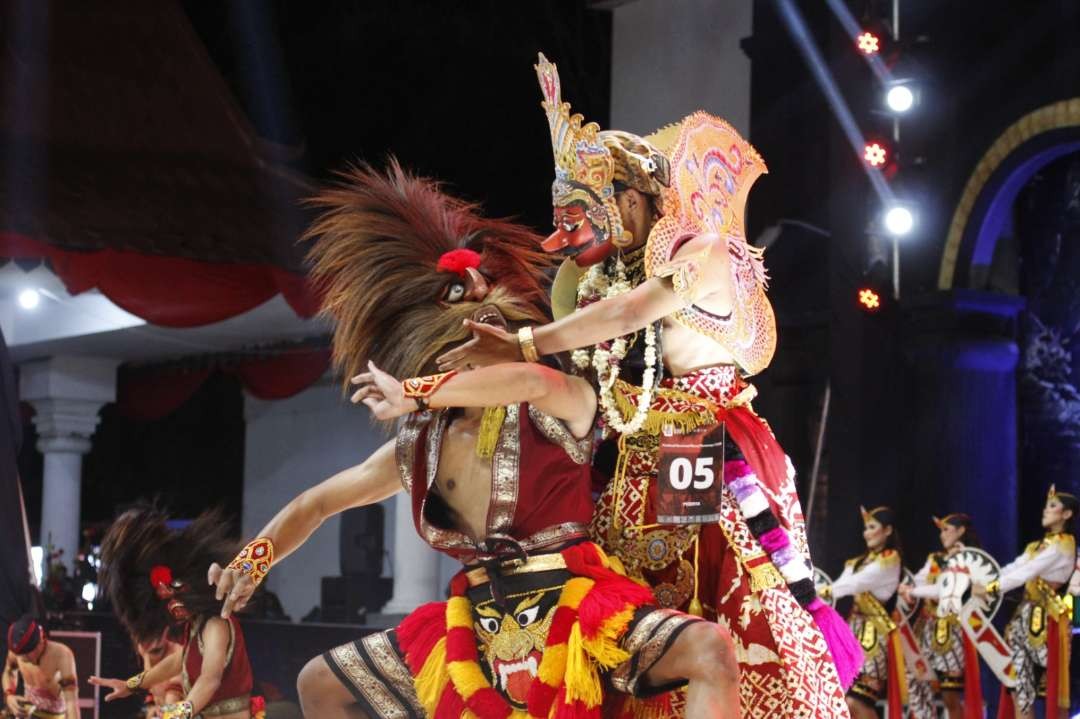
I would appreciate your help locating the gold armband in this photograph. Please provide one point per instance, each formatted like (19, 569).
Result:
(179, 710)
(527, 344)
(255, 559)
(135, 682)
(993, 587)
(685, 274)
(420, 388)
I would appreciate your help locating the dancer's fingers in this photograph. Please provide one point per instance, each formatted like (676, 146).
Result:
(213, 574)
(224, 585)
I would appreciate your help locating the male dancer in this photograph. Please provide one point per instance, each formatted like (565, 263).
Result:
(539, 620)
(47, 668)
(654, 228)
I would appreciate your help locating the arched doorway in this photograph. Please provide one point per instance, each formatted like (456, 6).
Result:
(1016, 229)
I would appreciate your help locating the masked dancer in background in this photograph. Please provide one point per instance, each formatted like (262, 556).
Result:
(47, 668)
(1039, 632)
(947, 648)
(540, 622)
(872, 579)
(660, 271)
(155, 579)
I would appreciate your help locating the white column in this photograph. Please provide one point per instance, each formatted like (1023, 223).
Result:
(416, 565)
(67, 394)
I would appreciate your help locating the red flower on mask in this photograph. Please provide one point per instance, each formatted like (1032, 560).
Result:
(160, 575)
(459, 260)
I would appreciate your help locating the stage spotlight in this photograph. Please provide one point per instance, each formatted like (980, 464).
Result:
(869, 299)
(29, 299)
(868, 43)
(900, 98)
(899, 220)
(875, 154)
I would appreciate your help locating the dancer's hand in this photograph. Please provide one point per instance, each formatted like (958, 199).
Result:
(382, 394)
(14, 704)
(904, 590)
(489, 345)
(118, 686)
(233, 586)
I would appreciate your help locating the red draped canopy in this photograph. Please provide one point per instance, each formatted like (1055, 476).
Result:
(167, 291)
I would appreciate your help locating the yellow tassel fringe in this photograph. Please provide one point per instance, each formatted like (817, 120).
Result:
(490, 428)
(432, 678)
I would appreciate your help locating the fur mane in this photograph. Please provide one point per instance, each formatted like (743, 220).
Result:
(374, 259)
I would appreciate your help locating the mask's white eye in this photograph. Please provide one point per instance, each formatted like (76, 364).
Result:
(528, 616)
(455, 292)
(490, 624)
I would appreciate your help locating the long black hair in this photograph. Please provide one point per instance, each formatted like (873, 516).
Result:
(1071, 503)
(970, 538)
(887, 518)
(140, 544)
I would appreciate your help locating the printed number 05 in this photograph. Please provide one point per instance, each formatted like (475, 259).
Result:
(682, 473)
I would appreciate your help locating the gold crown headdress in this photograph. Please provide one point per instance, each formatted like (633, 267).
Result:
(941, 522)
(584, 168)
(867, 515)
(1053, 492)
(588, 161)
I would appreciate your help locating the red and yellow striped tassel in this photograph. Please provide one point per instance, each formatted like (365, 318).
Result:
(897, 675)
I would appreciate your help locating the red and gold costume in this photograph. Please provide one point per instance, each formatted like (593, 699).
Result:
(539, 622)
(237, 681)
(155, 579)
(750, 570)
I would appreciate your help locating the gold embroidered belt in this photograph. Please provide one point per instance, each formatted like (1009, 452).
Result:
(538, 563)
(879, 624)
(1044, 595)
(228, 706)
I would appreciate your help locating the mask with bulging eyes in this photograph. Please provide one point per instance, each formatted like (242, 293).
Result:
(511, 639)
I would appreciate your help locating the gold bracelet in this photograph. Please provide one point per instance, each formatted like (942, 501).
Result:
(255, 559)
(135, 682)
(527, 343)
(993, 587)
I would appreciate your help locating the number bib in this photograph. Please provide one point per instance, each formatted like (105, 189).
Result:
(690, 478)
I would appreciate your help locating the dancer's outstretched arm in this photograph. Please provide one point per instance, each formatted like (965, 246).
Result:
(372, 481)
(164, 670)
(701, 268)
(571, 399)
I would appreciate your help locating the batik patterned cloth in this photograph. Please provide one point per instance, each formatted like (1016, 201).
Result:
(785, 665)
(1029, 651)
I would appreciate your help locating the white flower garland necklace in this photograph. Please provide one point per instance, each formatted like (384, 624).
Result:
(606, 358)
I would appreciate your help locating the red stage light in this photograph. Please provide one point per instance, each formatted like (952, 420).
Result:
(868, 43)
(875, 154)
(869, 299)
